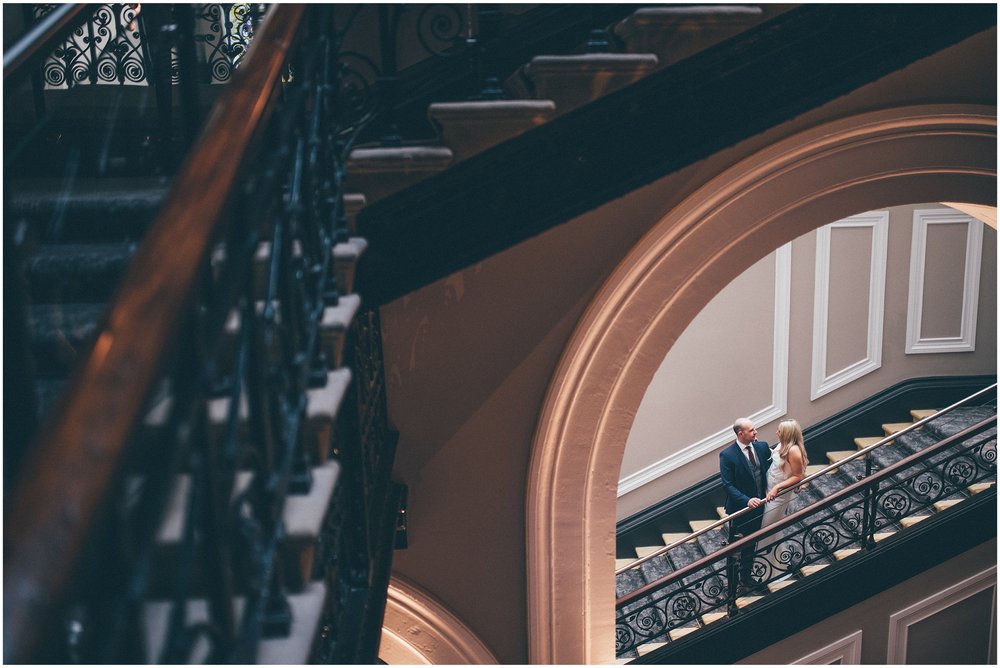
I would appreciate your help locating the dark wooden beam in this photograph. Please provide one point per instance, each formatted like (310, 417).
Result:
(684, 113)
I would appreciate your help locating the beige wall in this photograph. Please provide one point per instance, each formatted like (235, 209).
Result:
(469, 359)
(948, 614)
(725, 359)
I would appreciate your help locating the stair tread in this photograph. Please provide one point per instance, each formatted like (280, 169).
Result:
(893, 427)
(306, 608)
(646, 550)
(710, 617)
(921, 413)
(698, 525)
(846, 552)
(812, 568)
(669, 538)
(649, 647)
(490, 109)
(912, 519)
(380, 157)
(945, 504)
(781, 584)
(835, 456)
(863, 442)
(592, 61)
(978, 487)
(622, 563)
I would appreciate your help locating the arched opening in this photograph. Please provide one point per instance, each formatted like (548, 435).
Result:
(891, 157)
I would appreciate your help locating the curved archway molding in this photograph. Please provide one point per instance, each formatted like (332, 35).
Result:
(879, 159)
(417, 629)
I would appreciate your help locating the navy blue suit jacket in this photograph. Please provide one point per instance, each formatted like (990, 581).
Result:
(737, 478)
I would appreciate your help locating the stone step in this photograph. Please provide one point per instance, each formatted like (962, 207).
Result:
(670, 538)
(838, 455)
(378, 172)
(845, 553)
(978, 487)
(907, 522)
(681, 631)
(332, 330)
(812, 569)
(920, 414)
(698, 525)
(893, 427)
(306, 611)
(302, 515)
(674, 33)
(882, 535)
(744, 601)
(778, 585)
(646, 550)
(622, 563)
(323, 404)
(61, 273)
(643, 650)
(345, 262)
(866, 441)
(62, 334)
(468, 128)
(85, 210)
(574, 80)
(353, 204)
(711, 617)
(945, 504)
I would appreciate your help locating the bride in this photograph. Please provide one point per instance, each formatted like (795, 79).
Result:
(788, 467)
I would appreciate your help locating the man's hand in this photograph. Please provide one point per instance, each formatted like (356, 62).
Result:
(754, 502)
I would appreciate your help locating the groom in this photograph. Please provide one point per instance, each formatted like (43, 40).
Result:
(743, 466)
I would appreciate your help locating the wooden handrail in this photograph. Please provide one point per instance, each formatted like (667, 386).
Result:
(42, 36)
(77, 454)
(826, 502)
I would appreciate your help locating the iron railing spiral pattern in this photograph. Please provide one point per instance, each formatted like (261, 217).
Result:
(113, 47)
(847, 520)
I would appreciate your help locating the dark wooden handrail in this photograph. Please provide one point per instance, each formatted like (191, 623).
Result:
(78, 452)
(42, 36)
(826, 502)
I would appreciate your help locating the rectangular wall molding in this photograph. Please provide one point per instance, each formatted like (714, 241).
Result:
(901, 621)
(823, 381)
(779, 385)
(965, 341)
(846, 651)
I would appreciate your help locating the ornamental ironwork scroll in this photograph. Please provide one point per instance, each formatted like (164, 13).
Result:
(112, 48)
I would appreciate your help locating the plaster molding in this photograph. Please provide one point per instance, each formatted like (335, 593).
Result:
(878, 159)
(779, 386)
(846, 651)
(419, 629)
(822, 381)
(901, 621)
(966, 339)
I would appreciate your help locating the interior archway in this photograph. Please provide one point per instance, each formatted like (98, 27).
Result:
(885, 158)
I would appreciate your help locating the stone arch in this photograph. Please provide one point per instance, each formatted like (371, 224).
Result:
(879, 159)
(417, 629)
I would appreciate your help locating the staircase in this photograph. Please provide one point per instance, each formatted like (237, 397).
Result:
(784, 564)
(78, 224)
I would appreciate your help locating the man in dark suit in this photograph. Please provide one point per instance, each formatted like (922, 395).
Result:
(743, 466)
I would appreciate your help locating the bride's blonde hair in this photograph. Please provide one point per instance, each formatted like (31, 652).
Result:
(789, 434)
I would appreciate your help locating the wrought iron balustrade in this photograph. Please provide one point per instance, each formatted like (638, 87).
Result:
(194, 396)
(113, 47)
(816, 535)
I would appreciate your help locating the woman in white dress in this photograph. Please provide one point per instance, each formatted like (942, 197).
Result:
(788, 467)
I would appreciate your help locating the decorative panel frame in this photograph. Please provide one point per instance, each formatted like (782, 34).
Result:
(901, 621)
(846, 651)
(823, 382)
(966, 340)
(779, 385)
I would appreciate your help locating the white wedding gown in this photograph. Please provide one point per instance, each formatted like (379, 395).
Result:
(774, 511)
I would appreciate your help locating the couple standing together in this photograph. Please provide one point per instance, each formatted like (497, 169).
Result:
(753, 475)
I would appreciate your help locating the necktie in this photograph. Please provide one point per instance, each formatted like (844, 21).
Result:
(753, 462)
